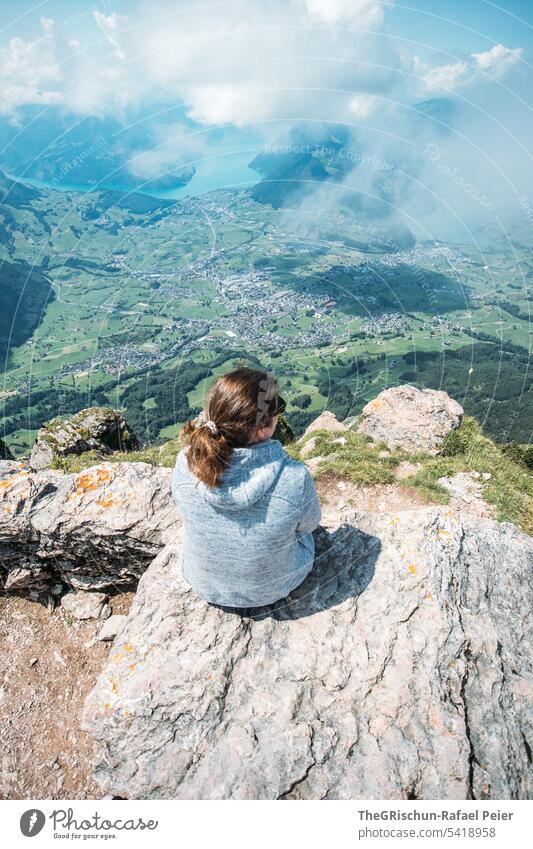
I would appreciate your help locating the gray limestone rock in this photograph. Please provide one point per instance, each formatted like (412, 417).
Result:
(84, 605)
(410, 418)
(92, 530)
(96, 428)
(112, 627)
(326, 421)
(401, 668)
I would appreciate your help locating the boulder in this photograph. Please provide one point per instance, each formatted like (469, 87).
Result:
(86, 605)
(93, 530)
(5, 453)
(96, 428)
(326, 421)
(400, 669)
(111, 627)
(410, 418)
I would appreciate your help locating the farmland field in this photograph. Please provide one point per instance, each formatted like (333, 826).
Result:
(138, 302)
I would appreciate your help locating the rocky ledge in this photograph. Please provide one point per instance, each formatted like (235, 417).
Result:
(400, 669)
(96, 529)
(96, 428)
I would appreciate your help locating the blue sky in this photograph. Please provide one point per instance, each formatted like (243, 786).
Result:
(470, 25)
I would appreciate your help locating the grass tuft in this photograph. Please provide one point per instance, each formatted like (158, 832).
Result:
(366, 463)
(467, 449)
(156, 455)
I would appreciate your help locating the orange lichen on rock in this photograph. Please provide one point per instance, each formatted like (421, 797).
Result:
(89, 482)
(412, 568)
(107, 502)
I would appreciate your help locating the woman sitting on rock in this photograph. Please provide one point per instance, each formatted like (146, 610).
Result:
(248, 509)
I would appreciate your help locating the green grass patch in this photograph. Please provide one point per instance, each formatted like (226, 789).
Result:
(155, 455)
(356, 457)
(366, 463)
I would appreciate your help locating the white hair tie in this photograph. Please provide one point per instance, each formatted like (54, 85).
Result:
(203, 421)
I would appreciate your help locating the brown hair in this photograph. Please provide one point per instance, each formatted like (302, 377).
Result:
(239, 403)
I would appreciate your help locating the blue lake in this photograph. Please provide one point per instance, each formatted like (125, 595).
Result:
(223, 170)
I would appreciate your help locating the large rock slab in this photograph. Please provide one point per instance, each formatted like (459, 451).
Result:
(410, 418)
(96, 428)
(96, 529)
(401, 668)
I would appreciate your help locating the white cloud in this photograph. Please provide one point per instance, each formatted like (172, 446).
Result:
(29, 71)
(238, 63)
(498, 60)
(261, 62)
(111, 26)
(459, 75)
(361, 106)
(220, 104)
(174, 145)
(48, 24)
(451, 77)
(364, 13)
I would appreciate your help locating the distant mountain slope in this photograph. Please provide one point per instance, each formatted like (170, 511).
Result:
(15, 193)
(290, 171)
(61, 148)
(23, 296)
(490, 378)
(321, 170)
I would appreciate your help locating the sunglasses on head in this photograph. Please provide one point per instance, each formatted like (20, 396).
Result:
(280, 406)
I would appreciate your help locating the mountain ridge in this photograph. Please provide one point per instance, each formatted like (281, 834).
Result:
(399, 669)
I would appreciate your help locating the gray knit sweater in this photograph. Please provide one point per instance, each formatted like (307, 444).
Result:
(248, 542)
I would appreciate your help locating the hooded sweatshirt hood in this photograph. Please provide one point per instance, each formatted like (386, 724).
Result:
(251, 473)
(249, 541)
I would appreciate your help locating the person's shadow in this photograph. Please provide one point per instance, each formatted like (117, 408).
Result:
(343, 568)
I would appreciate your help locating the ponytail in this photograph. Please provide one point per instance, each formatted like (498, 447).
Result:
(208, 452)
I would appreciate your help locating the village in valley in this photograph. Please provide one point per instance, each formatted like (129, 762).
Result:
(135, 293)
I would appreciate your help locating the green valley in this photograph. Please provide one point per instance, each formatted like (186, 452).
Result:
(130, 301)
